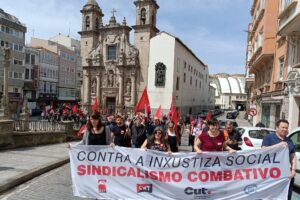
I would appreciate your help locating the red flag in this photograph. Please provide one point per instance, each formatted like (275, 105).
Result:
(174, 116)
(208, 116)
(75, 109)
(95, 106)
(81, 131)
(159, 113)
(143, 103)
(192, 119)
(172, 105)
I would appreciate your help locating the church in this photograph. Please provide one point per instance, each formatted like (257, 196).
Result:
(116, 72)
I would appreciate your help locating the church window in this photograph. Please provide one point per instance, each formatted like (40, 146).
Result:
(177, 83)
(143, 16)
(184, 77)
(112, 52)
(97, 24)
(191, 80)
(160, 74)
(87, 23)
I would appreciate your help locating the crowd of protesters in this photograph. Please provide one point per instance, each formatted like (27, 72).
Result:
(64, 112)
(158, 133)
(164, 135)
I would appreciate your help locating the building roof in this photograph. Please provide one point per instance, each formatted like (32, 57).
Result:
(228, 84)
(184, 45)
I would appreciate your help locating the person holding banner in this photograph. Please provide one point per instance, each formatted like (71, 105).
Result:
(212, 140)
(96, 133)
(232, 136)
(156, 141)
(280, 139)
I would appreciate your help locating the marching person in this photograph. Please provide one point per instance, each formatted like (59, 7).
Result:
(232, 136)
(172, 137)
(156, 141)
(95, 133)
(120, 133)
(280, 139)
(212, 140)
(138, 133)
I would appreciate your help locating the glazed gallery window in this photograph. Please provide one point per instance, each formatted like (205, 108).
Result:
(160, 74)
(280, 68)
(112, 52)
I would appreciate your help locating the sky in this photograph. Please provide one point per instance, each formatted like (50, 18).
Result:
(213, 29)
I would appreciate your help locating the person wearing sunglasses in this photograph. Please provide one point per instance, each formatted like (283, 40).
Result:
(156, 141)
(172, 137)
(212, 140)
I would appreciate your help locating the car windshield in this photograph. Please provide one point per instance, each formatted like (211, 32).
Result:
(259, 134)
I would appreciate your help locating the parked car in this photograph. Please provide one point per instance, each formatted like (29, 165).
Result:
(253, 136)
(232, 114)
(294, 135)
(222, 124)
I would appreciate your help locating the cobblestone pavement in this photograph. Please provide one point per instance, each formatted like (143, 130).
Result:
(54, 185)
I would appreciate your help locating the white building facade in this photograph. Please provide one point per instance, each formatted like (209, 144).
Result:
(174, 70)
(230, 91)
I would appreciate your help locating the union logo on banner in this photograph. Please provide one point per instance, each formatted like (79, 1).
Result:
(102, 186)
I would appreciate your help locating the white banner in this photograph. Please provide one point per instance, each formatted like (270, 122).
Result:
(104, 172)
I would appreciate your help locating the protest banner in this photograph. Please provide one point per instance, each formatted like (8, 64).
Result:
(104, 172)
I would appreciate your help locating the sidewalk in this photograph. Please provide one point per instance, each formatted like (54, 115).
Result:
(20, 165)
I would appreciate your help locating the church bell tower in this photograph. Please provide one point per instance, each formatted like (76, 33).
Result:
(144, 30)
(91, 25)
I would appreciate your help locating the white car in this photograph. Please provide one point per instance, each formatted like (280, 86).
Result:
(294, 135)
(253, 136)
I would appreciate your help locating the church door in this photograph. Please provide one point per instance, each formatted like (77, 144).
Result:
(111, 104)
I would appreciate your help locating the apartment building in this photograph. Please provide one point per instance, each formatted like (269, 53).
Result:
(289, 28)
(31, 76)
(267, 61)
(12, 35)
(75, 46)
(67, 61)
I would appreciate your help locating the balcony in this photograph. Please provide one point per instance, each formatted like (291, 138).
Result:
(258, 19)
(287, 7)
(260, 58)
(289, 21)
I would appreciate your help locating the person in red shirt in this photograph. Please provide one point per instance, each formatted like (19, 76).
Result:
(212, 140)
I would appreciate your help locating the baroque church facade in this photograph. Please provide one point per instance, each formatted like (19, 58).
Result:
(115, 72)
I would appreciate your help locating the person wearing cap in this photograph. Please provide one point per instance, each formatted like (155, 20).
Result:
(212, 140)
(138, 133)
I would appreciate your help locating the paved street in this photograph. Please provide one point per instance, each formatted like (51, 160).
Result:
(55, 184)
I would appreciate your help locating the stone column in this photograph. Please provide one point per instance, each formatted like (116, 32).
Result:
(5, 100)
(133, 90)
(87, 91)
(99, 96)
(25, 115)
(121, 86)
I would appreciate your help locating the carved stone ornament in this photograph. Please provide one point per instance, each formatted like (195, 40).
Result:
(160, 74)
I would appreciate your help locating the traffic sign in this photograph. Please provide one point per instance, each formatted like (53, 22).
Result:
(252, 112)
